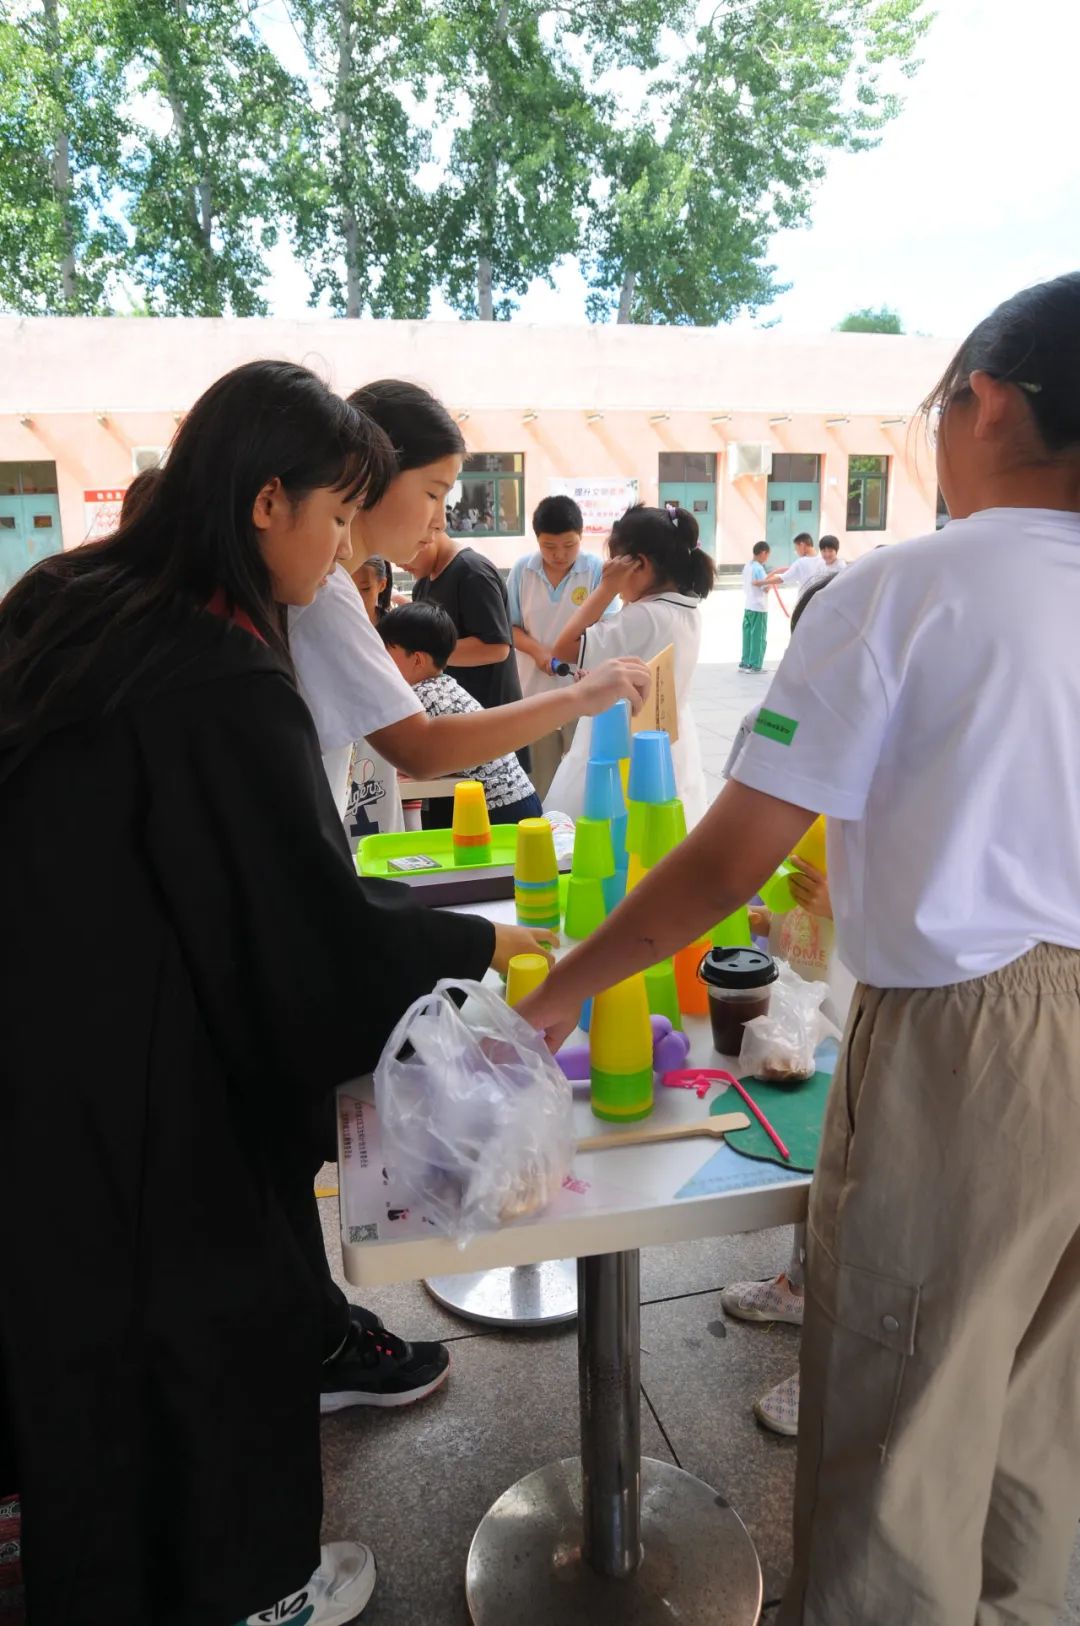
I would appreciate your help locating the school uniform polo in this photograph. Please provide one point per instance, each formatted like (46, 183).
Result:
(543, 611)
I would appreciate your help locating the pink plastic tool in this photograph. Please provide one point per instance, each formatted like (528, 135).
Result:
(695, 1077)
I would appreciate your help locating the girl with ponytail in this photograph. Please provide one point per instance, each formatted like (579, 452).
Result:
(661, 574)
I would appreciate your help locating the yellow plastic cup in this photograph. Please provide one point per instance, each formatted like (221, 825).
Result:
(811, 849)
(472, 826)
(524, 973)
(621, 1052)
(534, 860)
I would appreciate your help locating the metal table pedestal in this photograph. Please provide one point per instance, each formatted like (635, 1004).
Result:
(522, 1296)
(612, 1538)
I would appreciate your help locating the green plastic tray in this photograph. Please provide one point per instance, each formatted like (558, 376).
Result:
(375, 852)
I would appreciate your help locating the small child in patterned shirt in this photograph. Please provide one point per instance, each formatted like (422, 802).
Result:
(420, 639)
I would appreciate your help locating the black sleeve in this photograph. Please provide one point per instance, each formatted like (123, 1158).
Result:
(483, 610)
(302, 968)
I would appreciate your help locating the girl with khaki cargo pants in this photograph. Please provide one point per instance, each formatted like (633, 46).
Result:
(931, 708)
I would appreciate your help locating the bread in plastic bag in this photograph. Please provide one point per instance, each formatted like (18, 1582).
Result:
(475, 1115)
(780, 1047)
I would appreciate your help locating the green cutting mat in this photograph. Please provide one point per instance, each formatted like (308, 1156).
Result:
(795, 1112)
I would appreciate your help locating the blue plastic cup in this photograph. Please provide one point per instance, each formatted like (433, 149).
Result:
(618, 841)
(603, 789)
(614, 889)
(652, 772)
(610, 738)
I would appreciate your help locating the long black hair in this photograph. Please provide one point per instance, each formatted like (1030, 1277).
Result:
(1033, 341)
(379, 565)
(192, 536)
(668, 538)
(419, 427)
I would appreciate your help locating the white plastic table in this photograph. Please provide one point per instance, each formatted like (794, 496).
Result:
(612, 1536)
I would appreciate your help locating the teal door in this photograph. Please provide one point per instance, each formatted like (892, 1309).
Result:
(689, 479)
(29, 518)
(793, 503)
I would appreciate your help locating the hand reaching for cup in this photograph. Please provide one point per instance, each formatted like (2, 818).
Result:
(626, 678)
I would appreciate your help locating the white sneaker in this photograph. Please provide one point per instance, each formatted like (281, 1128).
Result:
(763, 1301)
(337, 1593)
(779, 1409)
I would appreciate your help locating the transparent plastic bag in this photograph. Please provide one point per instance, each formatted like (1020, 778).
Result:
(780, 1047)
(476, 1116)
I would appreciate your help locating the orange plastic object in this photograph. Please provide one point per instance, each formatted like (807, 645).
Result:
(693, 994)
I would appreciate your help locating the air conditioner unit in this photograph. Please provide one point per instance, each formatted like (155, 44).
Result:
(147, 457)
(746, 458)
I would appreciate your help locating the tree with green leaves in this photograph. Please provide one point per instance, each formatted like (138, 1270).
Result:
(728, 150)
(871, 321)
(60, 143)
(362, 224)
(223, 146)
(518, 173)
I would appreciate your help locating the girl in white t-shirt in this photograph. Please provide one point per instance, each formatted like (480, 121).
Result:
(370, 722)
(929, 708)
(661, 575)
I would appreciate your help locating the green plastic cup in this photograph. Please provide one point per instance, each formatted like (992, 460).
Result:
(663, 993)
(635, 825)
(584, 906)
(734, 932)
(665, 827)
(594, 855)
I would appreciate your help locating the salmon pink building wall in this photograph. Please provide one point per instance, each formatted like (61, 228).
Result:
(575, 402)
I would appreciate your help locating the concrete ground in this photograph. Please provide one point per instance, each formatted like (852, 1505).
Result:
(415, 1484)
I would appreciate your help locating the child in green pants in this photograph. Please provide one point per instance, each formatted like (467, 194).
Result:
(756, 619)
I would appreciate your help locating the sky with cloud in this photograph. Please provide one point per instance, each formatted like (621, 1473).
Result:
(973, 193)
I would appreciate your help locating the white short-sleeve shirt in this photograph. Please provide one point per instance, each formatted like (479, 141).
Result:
(352, 689)
(931, 708)
(755, 595)
(643, 629)
(803, 570)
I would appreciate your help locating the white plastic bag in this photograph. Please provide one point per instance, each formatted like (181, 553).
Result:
(477, 1118)
(780, 1047)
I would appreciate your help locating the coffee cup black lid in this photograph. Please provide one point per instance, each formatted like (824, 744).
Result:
(736, 968)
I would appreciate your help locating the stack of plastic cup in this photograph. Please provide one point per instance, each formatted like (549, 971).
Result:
(472, 827)
(621, 1053)
(524, 973)
(604, 801)
(656, 822)
(536, 875)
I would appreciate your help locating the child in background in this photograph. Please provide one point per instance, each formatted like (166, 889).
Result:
(755, 624)
(661, 575)
(805, 567)
(375, 585)
(831, 562)
(420, 639)
(544, 590)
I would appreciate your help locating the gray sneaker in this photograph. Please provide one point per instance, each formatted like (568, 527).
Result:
(337, 1593)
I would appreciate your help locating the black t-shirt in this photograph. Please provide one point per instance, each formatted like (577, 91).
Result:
(471, 592)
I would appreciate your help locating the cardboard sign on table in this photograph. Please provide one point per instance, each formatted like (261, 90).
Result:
(661, 709)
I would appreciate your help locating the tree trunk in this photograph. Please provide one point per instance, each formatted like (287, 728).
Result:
(60, 167)
(626, 296)
(484, 300)
(350, 229)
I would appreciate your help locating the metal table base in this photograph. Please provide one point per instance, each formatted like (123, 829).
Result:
(612, 1537)
(524, 1296)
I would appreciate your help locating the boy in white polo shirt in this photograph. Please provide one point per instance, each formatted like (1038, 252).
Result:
(544, 590)
(939, 1433)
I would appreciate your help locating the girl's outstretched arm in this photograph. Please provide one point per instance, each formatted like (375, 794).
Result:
(721, 865)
